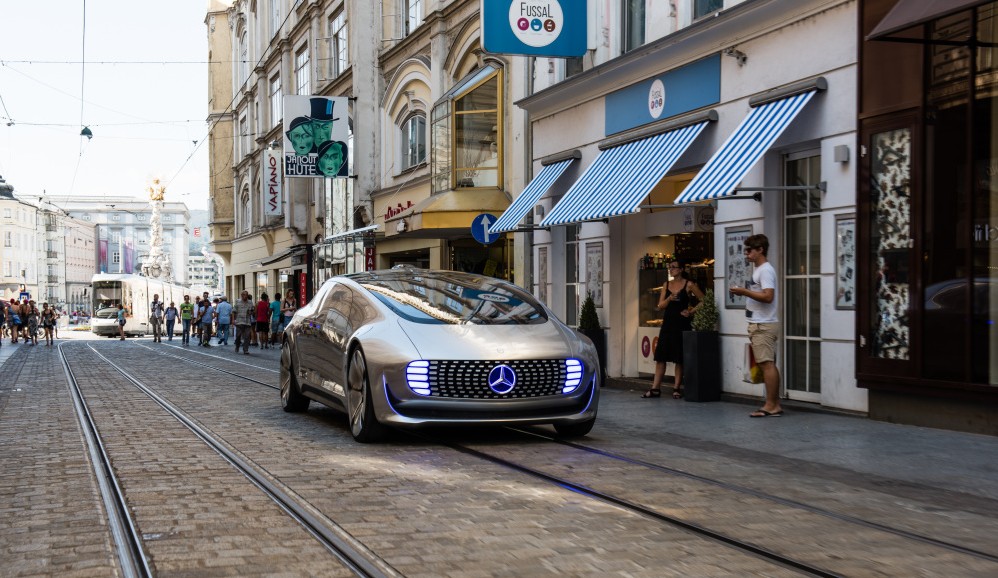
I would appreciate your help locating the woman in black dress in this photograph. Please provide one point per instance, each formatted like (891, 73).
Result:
(675, 300)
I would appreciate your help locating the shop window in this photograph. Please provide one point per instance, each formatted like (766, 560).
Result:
(466, 139)
(572, 282)
(413, 141)
(890, 238)
(802, 274)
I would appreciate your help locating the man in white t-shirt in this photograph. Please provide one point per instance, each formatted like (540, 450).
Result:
(764, 326)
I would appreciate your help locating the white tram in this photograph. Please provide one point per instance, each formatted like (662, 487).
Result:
(135, 293)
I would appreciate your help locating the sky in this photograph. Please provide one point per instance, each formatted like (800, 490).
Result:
(67, 64)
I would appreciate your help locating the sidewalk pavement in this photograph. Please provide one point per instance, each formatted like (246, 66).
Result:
(838, 444)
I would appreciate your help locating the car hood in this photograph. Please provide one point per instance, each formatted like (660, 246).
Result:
(541, 341)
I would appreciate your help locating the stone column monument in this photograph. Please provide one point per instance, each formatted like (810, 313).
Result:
(158, 265)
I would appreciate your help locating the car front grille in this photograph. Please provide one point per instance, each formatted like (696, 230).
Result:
(470, 379)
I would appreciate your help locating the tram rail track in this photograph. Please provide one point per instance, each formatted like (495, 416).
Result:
(351, 553)
(675, 521)
(132, 557)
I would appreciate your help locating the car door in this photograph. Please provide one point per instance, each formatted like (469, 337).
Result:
(336, 332)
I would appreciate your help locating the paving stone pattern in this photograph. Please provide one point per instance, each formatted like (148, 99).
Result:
(428, 510)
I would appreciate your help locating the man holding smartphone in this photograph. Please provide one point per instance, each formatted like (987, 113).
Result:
(764, 326)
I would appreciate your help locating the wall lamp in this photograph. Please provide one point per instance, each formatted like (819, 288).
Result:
(738, 55)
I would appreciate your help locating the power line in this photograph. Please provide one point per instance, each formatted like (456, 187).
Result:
(235, 94)
(116, 62)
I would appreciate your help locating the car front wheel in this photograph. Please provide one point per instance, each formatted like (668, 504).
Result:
(292, 399)
(363, 424)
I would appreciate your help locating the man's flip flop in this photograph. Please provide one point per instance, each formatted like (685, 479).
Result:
(764, 413)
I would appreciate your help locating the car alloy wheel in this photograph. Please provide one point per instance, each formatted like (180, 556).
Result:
(364, 425)
(292, 399)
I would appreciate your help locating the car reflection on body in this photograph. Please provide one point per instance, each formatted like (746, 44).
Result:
(414, 347)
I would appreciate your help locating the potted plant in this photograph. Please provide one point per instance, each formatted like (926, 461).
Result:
(589, 326)
(702, 353)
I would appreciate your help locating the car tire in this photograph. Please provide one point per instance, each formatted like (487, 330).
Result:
(364, 426)
(292, 400)
(575, 430)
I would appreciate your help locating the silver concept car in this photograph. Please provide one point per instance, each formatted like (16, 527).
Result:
(414, 347)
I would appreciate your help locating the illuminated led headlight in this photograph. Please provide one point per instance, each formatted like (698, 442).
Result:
(573, 375)
(417, 376)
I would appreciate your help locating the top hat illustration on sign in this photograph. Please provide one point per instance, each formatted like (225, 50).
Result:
(322, 109)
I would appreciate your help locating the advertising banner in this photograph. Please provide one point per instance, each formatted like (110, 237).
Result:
(316, 129)
(273, 191)
(555, 28)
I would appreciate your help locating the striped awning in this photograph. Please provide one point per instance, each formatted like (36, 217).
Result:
(512, 216)
(743, 149)
(621, 177)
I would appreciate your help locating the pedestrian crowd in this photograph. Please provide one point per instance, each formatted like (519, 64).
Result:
(250, 324)
(21, 320)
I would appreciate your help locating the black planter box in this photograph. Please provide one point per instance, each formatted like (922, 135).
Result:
(701, 366)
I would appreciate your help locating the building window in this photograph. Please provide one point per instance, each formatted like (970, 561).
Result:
(276, 100)
(246, 212)
(413, 141)
(116, 257)
(802, 275)
(302, 81)
(702, 8)
(8, 238)
(338, 37)
(86, 217)
(275, 17)
(241, 144)
(6, 213)
(142, 216)
(633, 20)
(243, 57)
(470, 114)
(115, 216)
(412, 15)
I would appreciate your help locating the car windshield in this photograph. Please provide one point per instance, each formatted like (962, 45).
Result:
(453, 299)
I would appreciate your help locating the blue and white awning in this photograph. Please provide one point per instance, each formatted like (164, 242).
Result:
(621, 177)
(743, 149)
(512, 216)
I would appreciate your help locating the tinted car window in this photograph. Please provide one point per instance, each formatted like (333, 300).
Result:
(454, 299)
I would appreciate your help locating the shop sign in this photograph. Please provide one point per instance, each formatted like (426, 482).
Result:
(273, 196)
(684, 89)
(985, 233)
(698, 219)
(370, 258)
(302, 287)
(554, 28)
(396, 210)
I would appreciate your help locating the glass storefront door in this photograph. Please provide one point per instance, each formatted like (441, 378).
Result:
(802, 278)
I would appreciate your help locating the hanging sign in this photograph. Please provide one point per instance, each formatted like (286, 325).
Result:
(273, 196)
(535, 27)
(316, 130)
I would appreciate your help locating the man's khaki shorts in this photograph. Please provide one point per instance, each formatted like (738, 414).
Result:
(763, 337)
